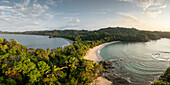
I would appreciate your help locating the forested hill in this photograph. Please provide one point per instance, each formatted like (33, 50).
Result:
(118, 30)
(106, 34)
(164, 78)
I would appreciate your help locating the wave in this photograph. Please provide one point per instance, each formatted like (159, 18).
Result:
(160, 58)
(66, 43)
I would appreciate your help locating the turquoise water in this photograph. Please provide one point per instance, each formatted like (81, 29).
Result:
(138, 62)
(36, 41)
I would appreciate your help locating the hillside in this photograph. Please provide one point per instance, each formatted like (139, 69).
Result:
(106, 34)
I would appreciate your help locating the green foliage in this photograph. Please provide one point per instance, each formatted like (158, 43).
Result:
(10, 81)
(160, 82)
(43, 66)
(19, 65)
(164, 79)
(106, 34)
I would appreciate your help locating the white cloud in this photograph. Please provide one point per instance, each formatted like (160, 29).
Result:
(26, 2)
(34, 12)
(34, 1)
(54, 2)
(78, 20)
(103, 11)
(157, 7)
(153, 13)
(5, 7)
(25, 14)
(73, 19)
(69, 26)
(149, 6)
(51, 2)
(72, 23)
(1, 13)
(129, 18)
(5, 1)
(46, 17)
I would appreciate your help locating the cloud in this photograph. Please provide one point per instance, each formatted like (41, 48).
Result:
(26, 2)
(150, 7)
(78, 20)
(128, 17)
(73, 20)
(5, 7)
(51, 2)
(129, 20)
(153, 13)
(54, 2)
(72, 23)
(25, 14)
(46, 17)
(103, 11)
(5, 1)
(68, 26)
(1, 13)
(32, 11)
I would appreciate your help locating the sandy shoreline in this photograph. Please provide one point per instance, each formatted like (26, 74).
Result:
(94, 54)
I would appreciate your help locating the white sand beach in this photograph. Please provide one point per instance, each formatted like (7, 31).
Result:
(94, 54)
(101, 81)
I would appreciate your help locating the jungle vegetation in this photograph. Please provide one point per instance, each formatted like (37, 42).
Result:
(61, 66)
(164, 78)
(106, 34)
(20, 65)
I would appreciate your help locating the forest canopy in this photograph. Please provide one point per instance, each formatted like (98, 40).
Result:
(106, 34)
(21, 66)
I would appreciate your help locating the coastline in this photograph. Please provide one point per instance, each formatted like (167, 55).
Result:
(69, 42)
(94, 54)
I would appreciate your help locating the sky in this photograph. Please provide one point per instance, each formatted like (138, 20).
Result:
(33, 15)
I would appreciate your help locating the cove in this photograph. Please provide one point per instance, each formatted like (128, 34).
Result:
(37, 41)
(139, 62)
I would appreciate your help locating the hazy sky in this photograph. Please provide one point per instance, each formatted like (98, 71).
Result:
(21, 15)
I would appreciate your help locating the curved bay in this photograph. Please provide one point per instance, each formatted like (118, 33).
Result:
(135, 61)
(37, 41)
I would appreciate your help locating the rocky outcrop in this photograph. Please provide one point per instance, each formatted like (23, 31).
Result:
(108, 74)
